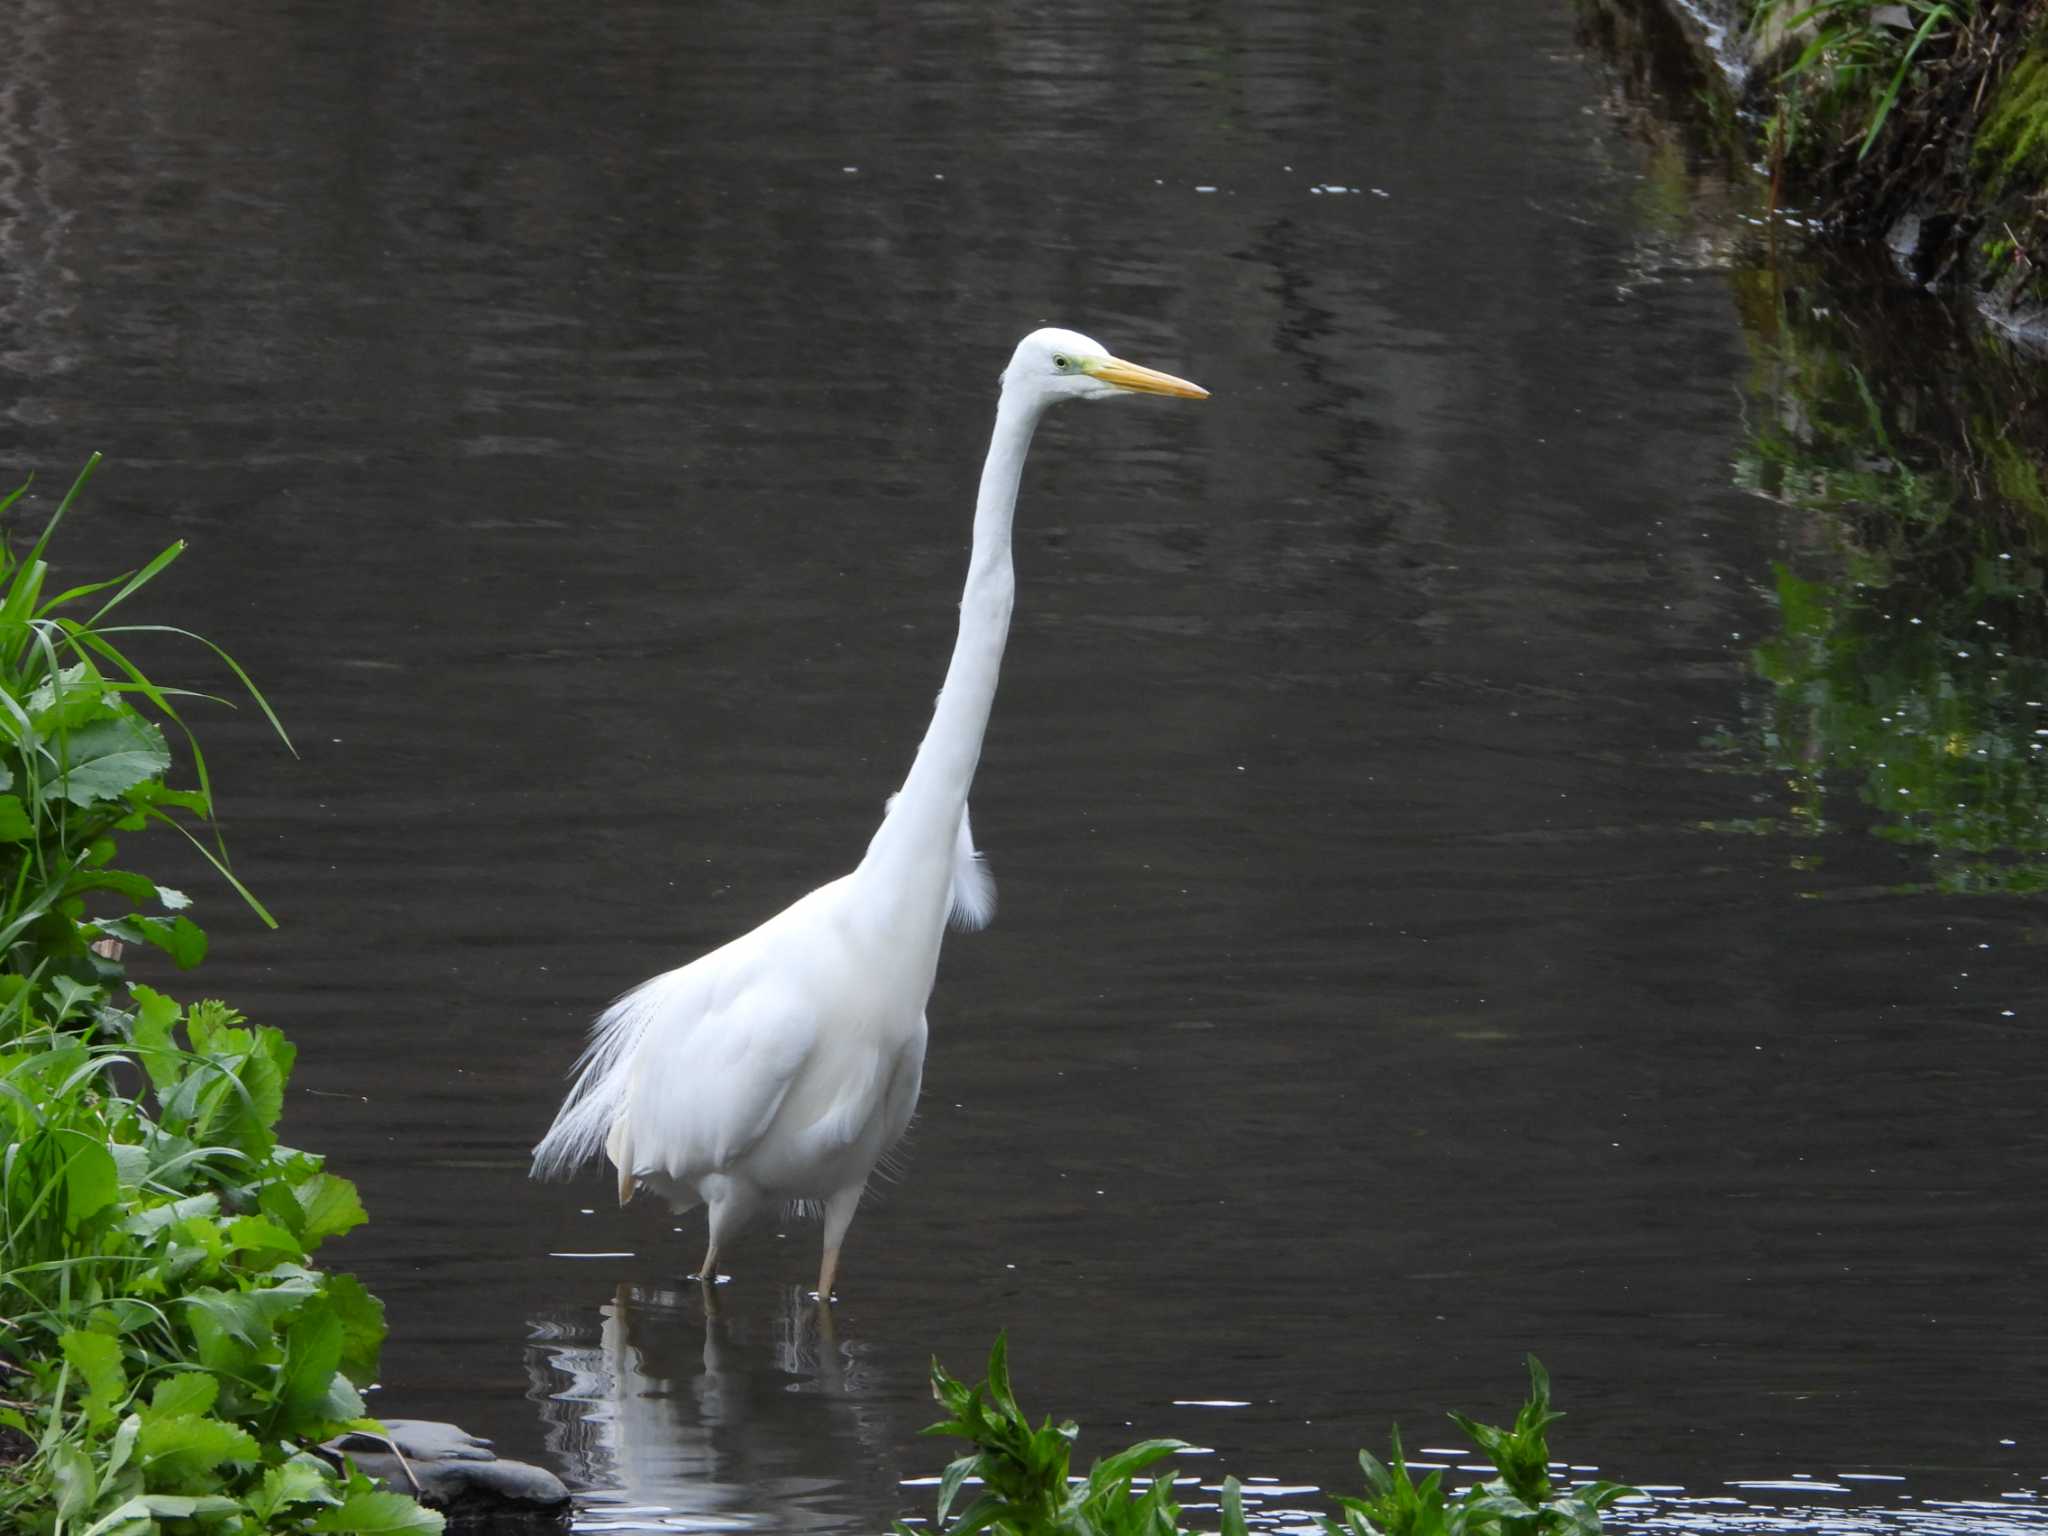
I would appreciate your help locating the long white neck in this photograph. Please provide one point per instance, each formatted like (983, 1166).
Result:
(910, 860)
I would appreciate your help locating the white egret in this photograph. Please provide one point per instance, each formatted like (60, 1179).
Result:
(782, 1066)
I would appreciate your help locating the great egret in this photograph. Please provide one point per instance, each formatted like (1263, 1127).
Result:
(782, 1066)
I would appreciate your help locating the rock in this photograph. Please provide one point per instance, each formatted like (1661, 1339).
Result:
(459, 1474)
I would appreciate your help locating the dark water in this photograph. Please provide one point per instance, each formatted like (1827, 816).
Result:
(574, 415)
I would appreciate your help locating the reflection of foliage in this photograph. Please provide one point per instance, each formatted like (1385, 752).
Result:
(1934, 721)
(1911, 659)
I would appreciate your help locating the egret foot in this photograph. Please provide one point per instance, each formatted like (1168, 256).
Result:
(826, 1270)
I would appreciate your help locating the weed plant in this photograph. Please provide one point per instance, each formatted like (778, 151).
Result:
(1024, 1487)
(169, 1354)
(80, 760)
(1858, 53)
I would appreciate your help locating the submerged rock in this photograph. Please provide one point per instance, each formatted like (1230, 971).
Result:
(446, 1467)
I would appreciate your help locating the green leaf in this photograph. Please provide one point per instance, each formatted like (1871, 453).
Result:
(312, 1355)
(231, 1326)
(68, 698)
(15, 826)
(131, 1517)
(91, 1181)
(332, 1207)
(183, 1393)
(185, 1506)
(97, 1359)
(379, 1514)
(182, 1451)
(1233, 1508)
(254, 1234)
(71, 1474)
(305, 1479)
(122, 1447)
(71, 997)
(362, 1326)
(105, 758)
(154, 1218)
(151, 1036)
(179, 937)
(1132, 1460)
(956, 1474)
(343, 1404)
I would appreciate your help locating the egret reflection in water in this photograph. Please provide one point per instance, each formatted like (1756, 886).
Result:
(680, 1408)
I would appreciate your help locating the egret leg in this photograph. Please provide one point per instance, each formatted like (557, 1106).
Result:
(838, 1217)
(728, 1203)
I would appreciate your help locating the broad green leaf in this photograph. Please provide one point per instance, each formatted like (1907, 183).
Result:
(151, 1035)
(312, 1354)
(91, 1181)
(97, 1359)
(15, 826)
(80, 696)
(71, 997)
(277, 1201)
(182, 1394)
(182, 1452)
(331, 1206)
(254, 1234)
(137, 888)
(379, 1514)
(154, 1218)
(256, 1314)
(362, 1327)
(215, 1029)
(179, 937)
(343, 1403)
(105, 758)
(302, 1480)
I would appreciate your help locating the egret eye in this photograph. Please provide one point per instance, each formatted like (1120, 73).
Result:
(1063, 363)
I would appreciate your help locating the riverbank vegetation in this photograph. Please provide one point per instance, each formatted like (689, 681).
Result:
(1022, 1485)
(170, 1356)
(1920, 126)
(1923, 123)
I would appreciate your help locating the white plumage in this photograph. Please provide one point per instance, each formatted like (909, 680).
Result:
(784, 1065)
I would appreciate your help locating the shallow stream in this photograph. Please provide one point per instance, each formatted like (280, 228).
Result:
(1444, 911)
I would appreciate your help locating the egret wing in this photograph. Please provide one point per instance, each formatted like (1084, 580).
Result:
(706, 1090)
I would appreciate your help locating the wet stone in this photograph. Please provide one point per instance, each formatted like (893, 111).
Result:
(459, 1474)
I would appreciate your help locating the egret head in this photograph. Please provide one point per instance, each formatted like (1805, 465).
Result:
(1053, 365)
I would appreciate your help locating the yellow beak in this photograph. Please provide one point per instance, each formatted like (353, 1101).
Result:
(1145, 380)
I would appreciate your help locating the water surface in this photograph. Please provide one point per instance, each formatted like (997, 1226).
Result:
(575, 417)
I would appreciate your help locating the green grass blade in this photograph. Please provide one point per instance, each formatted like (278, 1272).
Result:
(225, 873)
(1890, 98)
(228, 661)
(35, 555)
(135, 582)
